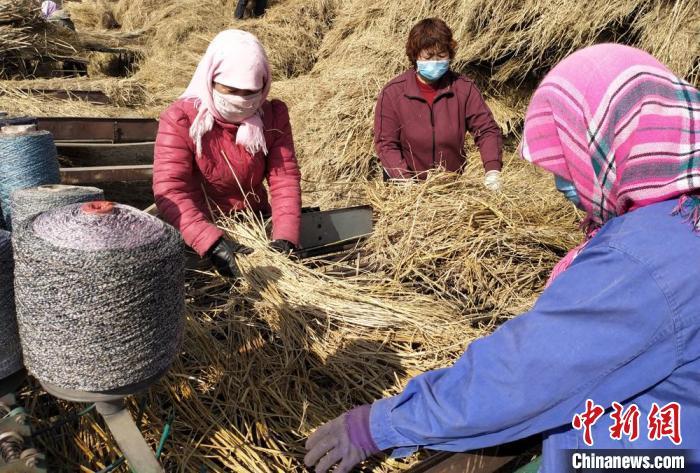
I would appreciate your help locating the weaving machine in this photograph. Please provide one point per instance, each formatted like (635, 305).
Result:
(17, 453)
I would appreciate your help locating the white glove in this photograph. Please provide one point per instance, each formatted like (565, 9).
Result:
(492, 180)
(402, 182)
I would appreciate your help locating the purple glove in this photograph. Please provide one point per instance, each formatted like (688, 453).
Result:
(346, 439)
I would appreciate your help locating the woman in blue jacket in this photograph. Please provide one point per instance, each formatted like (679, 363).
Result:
(616, 333)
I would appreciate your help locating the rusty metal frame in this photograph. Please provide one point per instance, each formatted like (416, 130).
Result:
(500, 458)
(99, 174)
(482, 461)
(100, 130)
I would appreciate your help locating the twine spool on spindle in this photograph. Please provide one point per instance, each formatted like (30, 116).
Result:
(10, 351)
(27, 159)
(27, 202)
(100, 295)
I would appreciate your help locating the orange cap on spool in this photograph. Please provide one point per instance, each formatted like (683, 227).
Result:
(99, 207)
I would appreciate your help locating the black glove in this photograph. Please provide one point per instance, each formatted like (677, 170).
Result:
(240, 9)
(223, 255)
(282, 246)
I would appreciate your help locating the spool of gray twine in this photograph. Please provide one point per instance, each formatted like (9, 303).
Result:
(27, 202)
(10, 351)
(100, 296)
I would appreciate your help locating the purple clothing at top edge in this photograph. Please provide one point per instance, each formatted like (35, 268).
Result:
(48, 8)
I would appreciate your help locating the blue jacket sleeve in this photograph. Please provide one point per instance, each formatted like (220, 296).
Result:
(603, 330)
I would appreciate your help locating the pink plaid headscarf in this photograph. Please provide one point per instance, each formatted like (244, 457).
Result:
(234, 58)
(619, 125)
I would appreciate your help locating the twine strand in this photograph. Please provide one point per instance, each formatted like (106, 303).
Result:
(10, 352)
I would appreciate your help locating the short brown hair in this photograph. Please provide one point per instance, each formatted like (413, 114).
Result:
(430, 33)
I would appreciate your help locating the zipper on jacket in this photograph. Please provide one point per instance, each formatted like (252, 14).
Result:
(432, 118)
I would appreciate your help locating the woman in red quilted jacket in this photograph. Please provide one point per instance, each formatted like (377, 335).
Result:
(216, 145)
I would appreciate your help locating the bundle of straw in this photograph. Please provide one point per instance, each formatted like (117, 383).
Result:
(19, 13)
(489, 253)
(529, 37)
(25, 35)
(27, 96)
(90, 15)
(301, 26)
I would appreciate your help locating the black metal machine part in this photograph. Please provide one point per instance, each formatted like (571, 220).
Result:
(330, 231)
(17, 451)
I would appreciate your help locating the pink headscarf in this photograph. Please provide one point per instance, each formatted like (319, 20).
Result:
(48, 8)
(619, 125)
(234, 58)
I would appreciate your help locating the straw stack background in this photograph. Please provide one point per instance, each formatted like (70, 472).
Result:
(294, 345)
(25, 36)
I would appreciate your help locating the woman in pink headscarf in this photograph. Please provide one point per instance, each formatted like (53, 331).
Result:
(609, 356)
(218, 143)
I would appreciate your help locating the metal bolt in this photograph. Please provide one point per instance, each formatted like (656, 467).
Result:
(11, 446)
(30, 457)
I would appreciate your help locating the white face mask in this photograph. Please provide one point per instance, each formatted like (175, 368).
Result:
(236, 108)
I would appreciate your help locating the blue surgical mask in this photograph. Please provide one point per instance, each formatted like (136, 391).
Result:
(432, 70)
(568, 189)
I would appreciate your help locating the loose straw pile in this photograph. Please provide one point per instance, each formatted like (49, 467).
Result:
(25, 36)
(452, 238)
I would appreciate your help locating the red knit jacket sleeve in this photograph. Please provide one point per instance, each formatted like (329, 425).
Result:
(176, 186)
(283, 177)
(387, 142)
(485, 130)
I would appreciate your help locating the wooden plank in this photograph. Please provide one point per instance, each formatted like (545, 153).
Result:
(77, 129)
(98, 174)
